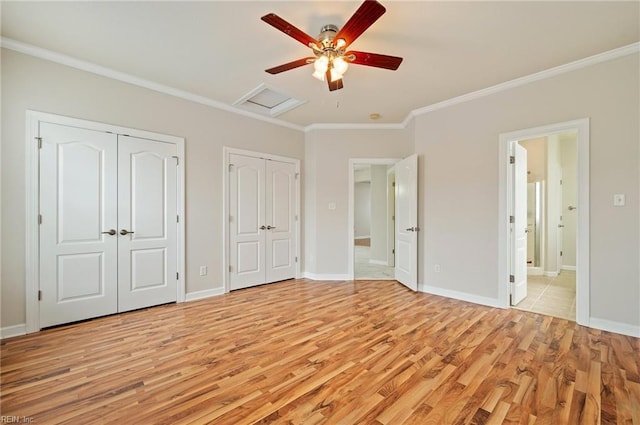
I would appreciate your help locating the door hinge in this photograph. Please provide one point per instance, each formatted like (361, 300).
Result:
(297, 175)
(512, 219)
(39, 140)
(512, 278)
(512, 159)
(296, 217)
(393, 184)
(177, 219)
(393, 251)
(39, 218)
(230, 167)
(561, 253)
(296, 259)
(393, 218)
(230, 269)
(39, 295)
(177, 159)
(177, 276)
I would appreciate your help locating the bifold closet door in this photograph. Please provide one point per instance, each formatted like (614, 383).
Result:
(78, 209)
(261, 222)
(108, 236)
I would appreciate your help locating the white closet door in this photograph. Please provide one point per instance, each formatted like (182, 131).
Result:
(78, 198)
(247, 227)
(280, 218)
(147, 225)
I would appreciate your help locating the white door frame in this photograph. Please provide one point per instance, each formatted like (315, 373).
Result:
(226, 152)
(505, 204)
(32, 206)
(351, 207)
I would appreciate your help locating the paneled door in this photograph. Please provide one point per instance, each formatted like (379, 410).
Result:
(406, 267)
(79, 218)
(147, 229)
(108, 235)
(519, 229)
(262, 208)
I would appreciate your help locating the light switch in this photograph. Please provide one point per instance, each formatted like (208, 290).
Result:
(618, 200)
(332, 205)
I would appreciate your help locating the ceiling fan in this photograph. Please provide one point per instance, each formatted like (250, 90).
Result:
(331, 59)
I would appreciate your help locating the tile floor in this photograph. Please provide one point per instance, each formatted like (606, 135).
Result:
(363, 269)
(553, 296)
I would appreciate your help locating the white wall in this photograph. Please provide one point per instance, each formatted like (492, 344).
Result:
(553, 208)
(327, 154)
(362, 210)
(569, 198)
(378, 214)
(459, 184)
(30, 83)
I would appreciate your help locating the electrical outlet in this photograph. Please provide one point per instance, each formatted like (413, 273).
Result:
(436, 268)
(619, 200)
(203, 270)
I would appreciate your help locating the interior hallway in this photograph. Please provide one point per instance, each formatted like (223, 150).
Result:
(363, 269)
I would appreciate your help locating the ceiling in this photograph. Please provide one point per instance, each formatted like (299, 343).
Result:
(219, 50)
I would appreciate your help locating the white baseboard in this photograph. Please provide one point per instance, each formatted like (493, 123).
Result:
(362, 237)
(321, 276)
(378, 262)
(616, 327)
(568, 268)
(551, 274)
(11, 331)
(198, 295)
(463, 296)
(534, 271)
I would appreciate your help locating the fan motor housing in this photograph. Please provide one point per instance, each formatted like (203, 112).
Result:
(327, 34)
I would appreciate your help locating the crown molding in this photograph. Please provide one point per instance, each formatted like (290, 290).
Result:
(49, 55)
(38, 52)
(542, 75)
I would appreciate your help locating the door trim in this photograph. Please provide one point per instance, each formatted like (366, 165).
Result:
(226, 152)
(505, 202)
(351, 207)
(32, 206)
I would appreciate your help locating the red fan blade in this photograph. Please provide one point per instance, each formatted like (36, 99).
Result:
(293, 32)
(365, 16)
(373, 59)
(335, 85)
(290, 65)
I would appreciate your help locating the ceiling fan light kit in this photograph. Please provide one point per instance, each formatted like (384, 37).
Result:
(331, 60)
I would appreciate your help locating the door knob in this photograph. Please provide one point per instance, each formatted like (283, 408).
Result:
(410, 229)
(271, 227)
(125, 232)
(110, 232)
(262, 227)
(560, 225)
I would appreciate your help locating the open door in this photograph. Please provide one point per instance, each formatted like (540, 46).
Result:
(519, 228)
(406, 265)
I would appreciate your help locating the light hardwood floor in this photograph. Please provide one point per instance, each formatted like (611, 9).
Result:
(303, 352)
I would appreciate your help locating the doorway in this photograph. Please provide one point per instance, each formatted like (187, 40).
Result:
(550, 202)
(372, 219)
(556, 219)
